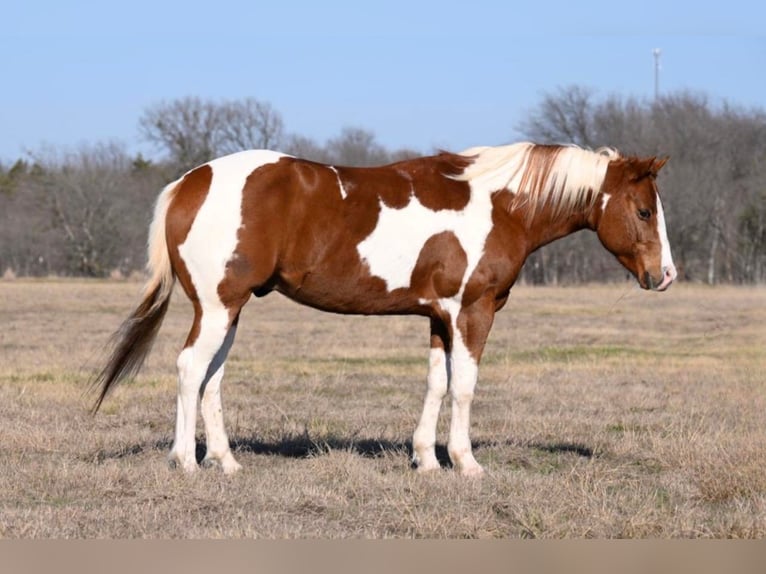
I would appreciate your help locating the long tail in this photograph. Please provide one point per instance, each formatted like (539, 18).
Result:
(133, 340)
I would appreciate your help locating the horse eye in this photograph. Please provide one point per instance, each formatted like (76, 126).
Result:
(644, 214)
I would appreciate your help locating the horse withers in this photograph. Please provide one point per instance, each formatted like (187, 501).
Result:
(443, 236)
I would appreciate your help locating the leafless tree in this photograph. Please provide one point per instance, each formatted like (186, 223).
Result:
(94, 206)
(356, 147)
(27, 243)
(305, 147)
(563, 117)
(186, 129)
(248, 124)
(192, 131)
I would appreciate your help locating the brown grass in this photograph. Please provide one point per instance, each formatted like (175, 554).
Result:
(601, 412)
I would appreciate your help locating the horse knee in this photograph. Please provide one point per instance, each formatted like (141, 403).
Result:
(184, 363)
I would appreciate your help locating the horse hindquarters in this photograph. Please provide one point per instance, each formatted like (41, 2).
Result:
(209, 227)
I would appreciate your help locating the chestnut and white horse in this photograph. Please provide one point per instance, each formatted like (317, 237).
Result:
(442, 236)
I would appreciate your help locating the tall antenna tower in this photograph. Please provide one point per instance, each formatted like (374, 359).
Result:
(657, 52)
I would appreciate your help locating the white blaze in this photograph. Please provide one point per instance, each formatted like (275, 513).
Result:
(666, 257)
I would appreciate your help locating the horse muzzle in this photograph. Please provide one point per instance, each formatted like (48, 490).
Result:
(669, 275)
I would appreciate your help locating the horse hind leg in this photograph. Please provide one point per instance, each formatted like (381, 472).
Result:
(218, 448)
(200, 367)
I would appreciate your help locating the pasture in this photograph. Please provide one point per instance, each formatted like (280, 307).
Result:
(601, 411)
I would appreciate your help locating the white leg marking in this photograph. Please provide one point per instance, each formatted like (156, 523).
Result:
(175, 457)
(424, 438)
(465, 372)
(193, 370)
(218, 448)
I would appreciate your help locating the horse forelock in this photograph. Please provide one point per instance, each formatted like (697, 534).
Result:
(561, 178)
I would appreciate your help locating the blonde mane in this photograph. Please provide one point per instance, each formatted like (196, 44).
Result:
(565, 177)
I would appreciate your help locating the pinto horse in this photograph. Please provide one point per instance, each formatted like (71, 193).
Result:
(444, 237)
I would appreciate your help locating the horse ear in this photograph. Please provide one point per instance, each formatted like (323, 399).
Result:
(639, 168)
(657, 165)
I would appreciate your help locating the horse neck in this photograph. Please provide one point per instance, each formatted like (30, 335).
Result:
(545, 226)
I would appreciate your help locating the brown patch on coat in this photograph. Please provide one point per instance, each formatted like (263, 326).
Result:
(440, 267)
(429, 179)
(189, 195)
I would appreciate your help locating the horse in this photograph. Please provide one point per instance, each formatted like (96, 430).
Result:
(443, 236)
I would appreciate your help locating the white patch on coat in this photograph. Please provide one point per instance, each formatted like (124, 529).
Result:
(212, 239)
(340, 182)
(392, 249)
(605, 197)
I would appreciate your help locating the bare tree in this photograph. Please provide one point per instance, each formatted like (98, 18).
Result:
(752, 239)
(192, 131)
(94, 205)
(305, 147)
(248, 124)
(563, 117)
(356, 147)
(27, 242)
(187, 129)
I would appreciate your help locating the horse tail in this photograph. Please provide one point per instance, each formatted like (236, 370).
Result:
(133, 340)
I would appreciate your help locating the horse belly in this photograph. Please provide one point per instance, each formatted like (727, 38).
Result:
(348, 288)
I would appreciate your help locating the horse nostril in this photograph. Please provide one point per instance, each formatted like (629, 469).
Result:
(648, 282)
(669, 273)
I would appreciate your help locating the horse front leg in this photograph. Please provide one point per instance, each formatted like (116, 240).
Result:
(469, 336)
(424, 438)
(465, 375)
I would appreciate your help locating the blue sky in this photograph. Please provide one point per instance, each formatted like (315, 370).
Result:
(418, 74)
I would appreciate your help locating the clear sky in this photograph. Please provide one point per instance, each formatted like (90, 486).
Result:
(419, 74)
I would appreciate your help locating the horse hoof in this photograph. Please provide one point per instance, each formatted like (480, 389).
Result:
(427, 468)
(472, 471)
(230, 469)
(188, 467)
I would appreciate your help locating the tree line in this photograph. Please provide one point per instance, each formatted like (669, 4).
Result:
(85, 211)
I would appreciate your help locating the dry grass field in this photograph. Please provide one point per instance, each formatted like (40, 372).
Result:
(601, 412)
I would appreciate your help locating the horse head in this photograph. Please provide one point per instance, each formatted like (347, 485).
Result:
(630, 221)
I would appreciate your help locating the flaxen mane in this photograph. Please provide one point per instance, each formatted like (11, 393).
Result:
(565, 177)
